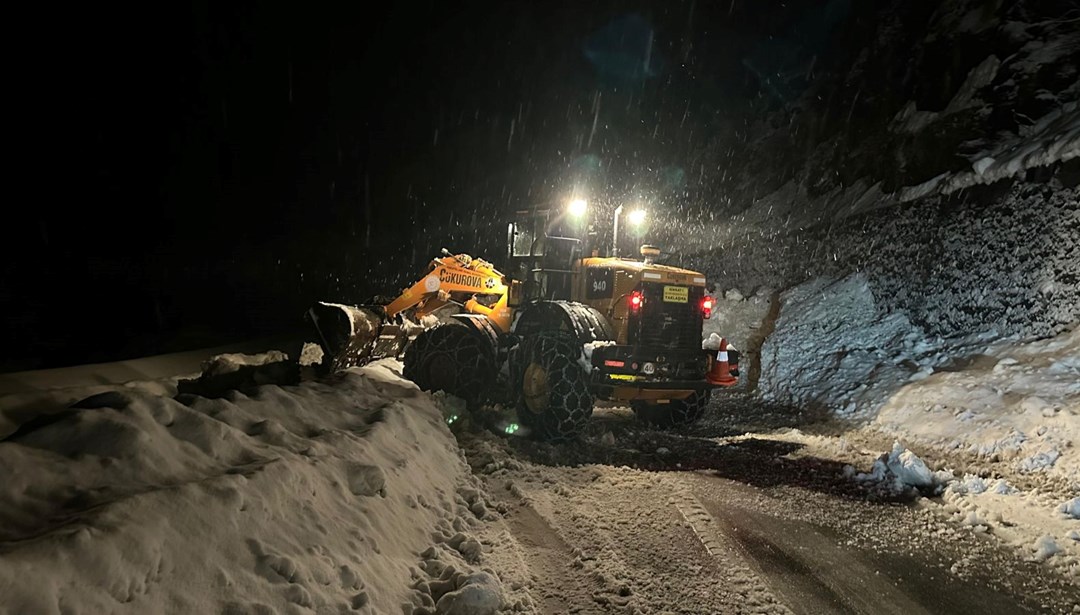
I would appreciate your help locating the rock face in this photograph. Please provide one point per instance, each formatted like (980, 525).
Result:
(879, 107)
(1002, 258)
(950, 189)
(941, 178)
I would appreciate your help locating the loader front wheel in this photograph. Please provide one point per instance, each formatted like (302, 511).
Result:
(450, 358)
(676, 412)
(553, 399)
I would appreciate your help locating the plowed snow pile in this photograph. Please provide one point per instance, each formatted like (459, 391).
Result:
(335, 497)
(1014, 403)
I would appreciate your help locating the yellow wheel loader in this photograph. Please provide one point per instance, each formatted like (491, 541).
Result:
(560, 330)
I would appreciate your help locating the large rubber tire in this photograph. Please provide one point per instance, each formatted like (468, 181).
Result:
(448, 357)
(553, 398)
(674, 413)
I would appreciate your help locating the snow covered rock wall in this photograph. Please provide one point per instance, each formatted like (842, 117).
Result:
(915, 100)
(1002, 259)
(934, 281)
(1009, 264)
(952, 184)
(836, 346)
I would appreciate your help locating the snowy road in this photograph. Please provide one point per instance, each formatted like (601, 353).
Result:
(656, 522)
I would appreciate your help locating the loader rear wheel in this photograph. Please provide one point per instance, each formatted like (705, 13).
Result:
(676, 412)
(553, 398)
(450, 358)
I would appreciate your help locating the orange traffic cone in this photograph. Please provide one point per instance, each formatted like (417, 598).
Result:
(720, 368)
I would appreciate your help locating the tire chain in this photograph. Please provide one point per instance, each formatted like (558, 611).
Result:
(475, 368)
(570, 402)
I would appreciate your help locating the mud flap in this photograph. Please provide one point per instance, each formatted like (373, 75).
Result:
(354, 335)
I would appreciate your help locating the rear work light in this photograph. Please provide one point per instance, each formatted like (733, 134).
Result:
(706, 307)
(635, 300)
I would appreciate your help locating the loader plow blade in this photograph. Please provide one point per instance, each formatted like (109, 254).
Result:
(353, 335)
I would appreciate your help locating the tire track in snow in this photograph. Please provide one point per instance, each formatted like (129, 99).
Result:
(700, 521)
(612, 540)
(560, 589)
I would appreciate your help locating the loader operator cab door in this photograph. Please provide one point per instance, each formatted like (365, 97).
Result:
(542, 261)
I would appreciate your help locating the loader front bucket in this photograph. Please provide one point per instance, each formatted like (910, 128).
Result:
(352, 335)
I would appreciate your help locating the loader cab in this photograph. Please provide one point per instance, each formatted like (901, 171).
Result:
(542, 257)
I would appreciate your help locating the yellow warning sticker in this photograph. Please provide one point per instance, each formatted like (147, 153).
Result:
(676, 294)
(630, 377)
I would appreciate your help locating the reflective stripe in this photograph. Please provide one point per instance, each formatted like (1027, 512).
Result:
(722, 356)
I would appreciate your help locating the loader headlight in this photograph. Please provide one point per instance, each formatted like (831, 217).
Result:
(577, 207)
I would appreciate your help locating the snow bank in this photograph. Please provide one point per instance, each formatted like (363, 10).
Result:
(999, 399)
(1008, 410)
(994, 406)
(316, 497)
(18, 408)
(1020, 517)
(228, 372)
(1015, 402)
(24, 395)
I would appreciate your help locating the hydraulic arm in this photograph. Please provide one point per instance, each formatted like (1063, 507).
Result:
(354, 335)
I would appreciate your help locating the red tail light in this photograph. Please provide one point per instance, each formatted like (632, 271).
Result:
(706, 307)
(635, 300)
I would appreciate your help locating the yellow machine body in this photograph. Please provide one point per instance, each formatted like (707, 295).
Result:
(472, 283)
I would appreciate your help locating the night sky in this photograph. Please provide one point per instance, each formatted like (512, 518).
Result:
(203, 172)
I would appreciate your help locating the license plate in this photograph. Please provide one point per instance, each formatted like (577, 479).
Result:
(676, 294)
